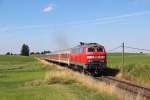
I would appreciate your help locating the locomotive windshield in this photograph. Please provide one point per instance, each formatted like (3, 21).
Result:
(91, 50)
(98, 49)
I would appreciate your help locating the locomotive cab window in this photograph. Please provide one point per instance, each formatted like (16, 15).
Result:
(99, 49)
(91, 50)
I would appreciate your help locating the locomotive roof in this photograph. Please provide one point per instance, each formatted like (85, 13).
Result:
(81, 45)
(89, 44)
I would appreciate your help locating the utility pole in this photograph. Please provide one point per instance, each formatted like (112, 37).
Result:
(122, 55)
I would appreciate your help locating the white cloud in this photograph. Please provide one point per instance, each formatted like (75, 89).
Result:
(48, 8)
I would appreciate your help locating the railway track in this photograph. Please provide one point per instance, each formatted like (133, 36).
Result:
(127, 86)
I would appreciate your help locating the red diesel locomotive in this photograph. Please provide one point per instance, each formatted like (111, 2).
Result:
(89, 57)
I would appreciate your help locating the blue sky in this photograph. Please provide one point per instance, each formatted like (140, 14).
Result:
(58, 24)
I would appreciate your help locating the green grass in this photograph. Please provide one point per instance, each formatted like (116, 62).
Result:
(21, 78)
(137, 66)
(53, 92)
(130, 58)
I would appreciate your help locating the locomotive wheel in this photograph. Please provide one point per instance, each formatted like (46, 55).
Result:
(83, 70)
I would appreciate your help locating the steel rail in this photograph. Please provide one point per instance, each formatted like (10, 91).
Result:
(126, 85)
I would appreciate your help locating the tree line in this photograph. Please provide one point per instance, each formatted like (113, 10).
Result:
(25, 51)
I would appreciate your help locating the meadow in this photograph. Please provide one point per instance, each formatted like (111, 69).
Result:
(136, 66)
(25, 78)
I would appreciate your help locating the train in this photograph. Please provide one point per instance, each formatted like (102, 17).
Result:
(86, 57)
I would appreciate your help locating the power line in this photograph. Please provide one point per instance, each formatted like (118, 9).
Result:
(136, 48)
(115, 48)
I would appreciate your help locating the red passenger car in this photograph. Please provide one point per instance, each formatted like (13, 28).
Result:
(89, 57)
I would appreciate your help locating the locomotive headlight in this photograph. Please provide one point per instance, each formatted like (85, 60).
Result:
(89, 57)
(101, 57)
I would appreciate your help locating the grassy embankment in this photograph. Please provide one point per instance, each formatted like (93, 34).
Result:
(24, 78)
(136, 67)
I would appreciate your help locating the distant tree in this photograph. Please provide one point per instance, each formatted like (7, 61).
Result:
(8, 53)
(37, 53)
(32, 53)
(42, 52)
(45, 52)
(25, 50)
